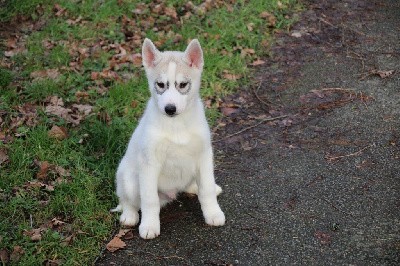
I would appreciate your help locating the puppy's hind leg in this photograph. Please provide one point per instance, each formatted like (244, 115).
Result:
(129, 197)
(194, 189)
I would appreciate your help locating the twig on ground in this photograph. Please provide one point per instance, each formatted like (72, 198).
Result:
(341, 26)
(250, 127)
(381, 73)
(336, 207)
(359, 57)
(333, 158)
(335, 89)
(159, 256)
(256, 94)
(327, 22)
(255, 217)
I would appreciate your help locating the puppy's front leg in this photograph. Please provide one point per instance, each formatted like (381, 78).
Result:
(150, 203)
(213, 214)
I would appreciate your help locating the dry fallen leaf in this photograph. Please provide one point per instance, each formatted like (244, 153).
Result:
(58, 133)
(57, 222)
(324, 238)
(61, 171)
(227, 111)
(56, 107)
(4, 257)
(59, 10)
(49, 262)
(270, 17)
(84, 109)
(296, 34)
(250, 26)
(258, 62)
(384, 74)
(34, 234)
(3, 156)
(46, 73)
(170, 12)
(82, 95)
(67, 241)
(43, 170)
(230, 76)
(122, 232)
(17, 253)
(115, 244)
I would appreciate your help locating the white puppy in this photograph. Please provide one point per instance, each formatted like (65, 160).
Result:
(170, 150)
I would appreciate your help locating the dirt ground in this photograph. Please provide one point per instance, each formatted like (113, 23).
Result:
(321, 184)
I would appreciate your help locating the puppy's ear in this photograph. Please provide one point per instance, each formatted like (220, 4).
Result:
(150, 55)
(194, 55)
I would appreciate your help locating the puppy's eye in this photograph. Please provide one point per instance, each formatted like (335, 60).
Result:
(183, 85)
(160, 85)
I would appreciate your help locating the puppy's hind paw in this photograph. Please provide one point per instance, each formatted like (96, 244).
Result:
(129, 219)
(215, 219)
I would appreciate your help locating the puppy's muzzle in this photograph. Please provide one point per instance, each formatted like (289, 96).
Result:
(170, 109)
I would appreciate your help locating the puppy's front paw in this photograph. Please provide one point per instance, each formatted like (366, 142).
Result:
(149, 231)
(129, 218)
(216, 218)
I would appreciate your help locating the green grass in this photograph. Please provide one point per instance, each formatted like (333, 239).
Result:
(93, 148)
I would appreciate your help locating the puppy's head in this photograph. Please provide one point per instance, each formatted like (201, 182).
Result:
(174, 77)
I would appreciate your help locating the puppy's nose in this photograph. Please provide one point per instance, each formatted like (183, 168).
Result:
(170, 109)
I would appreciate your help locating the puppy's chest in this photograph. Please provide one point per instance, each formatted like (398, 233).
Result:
(179, 161)
(180, 148)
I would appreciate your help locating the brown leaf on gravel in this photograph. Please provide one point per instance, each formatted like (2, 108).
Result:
(227, 111)
(58, 133)
(3, 156)
(17, 253)
(323, 238)
(384, 74)
(115, 244)
(46, 73)
(122, 232)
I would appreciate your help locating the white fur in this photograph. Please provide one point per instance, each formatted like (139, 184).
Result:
(167, 155)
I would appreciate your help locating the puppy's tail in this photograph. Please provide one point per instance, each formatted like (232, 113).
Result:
(117, 209)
